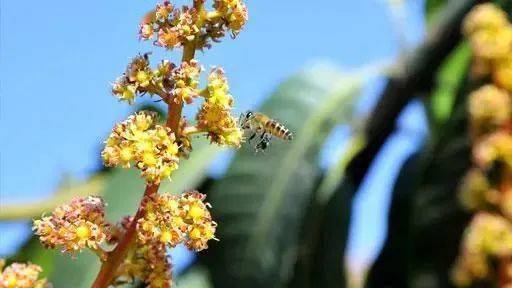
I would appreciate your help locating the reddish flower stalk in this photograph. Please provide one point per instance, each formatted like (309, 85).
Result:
(116, 257)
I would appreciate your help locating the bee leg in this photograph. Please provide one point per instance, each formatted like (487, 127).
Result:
(264, 142)
(250, 138)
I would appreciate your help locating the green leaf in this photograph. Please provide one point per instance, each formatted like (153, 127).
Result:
(324, 231)
(449, 79)
(262, 199)
(122, 192)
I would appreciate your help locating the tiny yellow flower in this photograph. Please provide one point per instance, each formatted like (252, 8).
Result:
(139, 140)
(195, 211)
(83, 232)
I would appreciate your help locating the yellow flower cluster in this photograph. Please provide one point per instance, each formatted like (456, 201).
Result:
(141, 142)
(149, 263)
(74, 226)
(490, 35)
(488, 238)
(177, 219)
(176, 27)
(19, 275)
(233, 12)
(215, 113)
(185, 80)
(489, 108)
(487, 244)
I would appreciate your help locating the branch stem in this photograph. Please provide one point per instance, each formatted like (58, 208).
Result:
(116, 257)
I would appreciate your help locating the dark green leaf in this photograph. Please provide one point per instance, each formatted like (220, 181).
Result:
(449, 79)
(262, 199)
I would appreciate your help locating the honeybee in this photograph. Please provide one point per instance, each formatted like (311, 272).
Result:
(258, 124)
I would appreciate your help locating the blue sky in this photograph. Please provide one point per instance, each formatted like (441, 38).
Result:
(57, 60)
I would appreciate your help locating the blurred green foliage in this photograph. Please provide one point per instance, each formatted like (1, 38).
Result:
(426, 221)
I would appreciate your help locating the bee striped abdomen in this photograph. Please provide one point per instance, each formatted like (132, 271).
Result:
(278, 130)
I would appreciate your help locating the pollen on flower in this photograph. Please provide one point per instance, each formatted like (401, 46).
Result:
(19, 275)
(74, 226)
(215, 114)
(175, 219)
(141, 142)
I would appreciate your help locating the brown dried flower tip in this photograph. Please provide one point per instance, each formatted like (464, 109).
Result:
(19, 275)
(175, 219)
(74, 226)
(139, 141)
